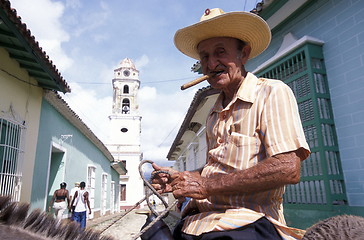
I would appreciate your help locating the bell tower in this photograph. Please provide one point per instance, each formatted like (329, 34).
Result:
(125, 88)
(125, 123)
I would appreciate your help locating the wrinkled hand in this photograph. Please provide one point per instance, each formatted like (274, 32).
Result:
(189, 184)
(162, 181)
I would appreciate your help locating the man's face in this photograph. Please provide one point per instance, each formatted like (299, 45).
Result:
(221, 56)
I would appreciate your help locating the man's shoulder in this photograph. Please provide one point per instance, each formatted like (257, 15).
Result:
(270, 81)
(263, 84)
(270, 85)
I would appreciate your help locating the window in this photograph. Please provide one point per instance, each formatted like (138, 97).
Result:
(122, 192)
(103, 194)
(91, 185)
(11, 158)
(112, 197)
(126, 89)
(322, 183)
(126, 106)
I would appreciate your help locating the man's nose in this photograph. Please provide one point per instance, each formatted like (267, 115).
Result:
(212, 63)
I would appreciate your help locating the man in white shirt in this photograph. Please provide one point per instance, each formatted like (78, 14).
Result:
(80, 201)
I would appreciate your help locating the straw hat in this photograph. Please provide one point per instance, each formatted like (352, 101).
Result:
(245, 26)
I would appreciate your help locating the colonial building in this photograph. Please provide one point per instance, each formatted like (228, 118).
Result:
(125, 122)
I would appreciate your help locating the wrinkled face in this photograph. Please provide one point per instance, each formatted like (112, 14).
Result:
(222, 57)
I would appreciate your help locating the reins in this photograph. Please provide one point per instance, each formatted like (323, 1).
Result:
(159, 216)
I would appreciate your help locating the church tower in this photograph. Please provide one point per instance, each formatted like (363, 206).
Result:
(125, 123)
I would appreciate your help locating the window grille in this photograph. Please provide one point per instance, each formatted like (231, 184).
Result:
(322, 183)
(11, 158)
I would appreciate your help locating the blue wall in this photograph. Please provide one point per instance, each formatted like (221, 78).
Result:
(340, 24)
(79, 153)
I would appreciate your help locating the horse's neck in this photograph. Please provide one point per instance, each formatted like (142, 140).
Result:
(10, 233)
(15, 223)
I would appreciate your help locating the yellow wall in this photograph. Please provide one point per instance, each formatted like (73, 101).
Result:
(25, 100)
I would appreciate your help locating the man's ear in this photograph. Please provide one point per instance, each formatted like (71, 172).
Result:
(245, 54)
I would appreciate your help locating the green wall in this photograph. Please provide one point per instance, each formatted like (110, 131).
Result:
(69, 162)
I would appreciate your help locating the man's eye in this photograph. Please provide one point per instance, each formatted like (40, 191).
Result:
(220, 52)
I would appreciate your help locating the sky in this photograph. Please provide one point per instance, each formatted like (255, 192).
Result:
(87, 40)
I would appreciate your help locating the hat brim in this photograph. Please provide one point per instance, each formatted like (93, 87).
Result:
(245, 26)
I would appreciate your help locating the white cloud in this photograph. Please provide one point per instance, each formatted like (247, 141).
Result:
(141, 62)
(92, 109)
(162, 114)
(92, 20)
(46, 27)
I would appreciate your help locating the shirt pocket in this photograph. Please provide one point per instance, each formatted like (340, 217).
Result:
(241, 140)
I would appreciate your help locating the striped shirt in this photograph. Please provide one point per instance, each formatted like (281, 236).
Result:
(261, 121)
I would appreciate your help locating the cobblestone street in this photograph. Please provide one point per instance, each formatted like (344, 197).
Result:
(127, 227)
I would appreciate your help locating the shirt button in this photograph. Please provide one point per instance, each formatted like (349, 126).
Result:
(221, 140)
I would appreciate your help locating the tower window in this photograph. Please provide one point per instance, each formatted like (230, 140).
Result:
(126, 89)
(126, 106)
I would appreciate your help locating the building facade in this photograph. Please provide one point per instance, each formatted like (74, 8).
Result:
(125, 122)
(68, 151)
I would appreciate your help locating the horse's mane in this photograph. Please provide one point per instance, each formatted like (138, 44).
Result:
(15, 223)
(337, 227)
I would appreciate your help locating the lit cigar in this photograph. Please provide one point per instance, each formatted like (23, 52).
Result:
(194, 82)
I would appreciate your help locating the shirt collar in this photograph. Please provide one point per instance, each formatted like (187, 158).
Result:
(246, 92)
(247, 88)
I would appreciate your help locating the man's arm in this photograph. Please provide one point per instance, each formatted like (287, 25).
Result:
(273, 172)
(73, 199)
(85, 195)
(52, 200)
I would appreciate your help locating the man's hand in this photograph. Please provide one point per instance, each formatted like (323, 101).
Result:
(182, 184)
(189, 184)
(162, 181)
